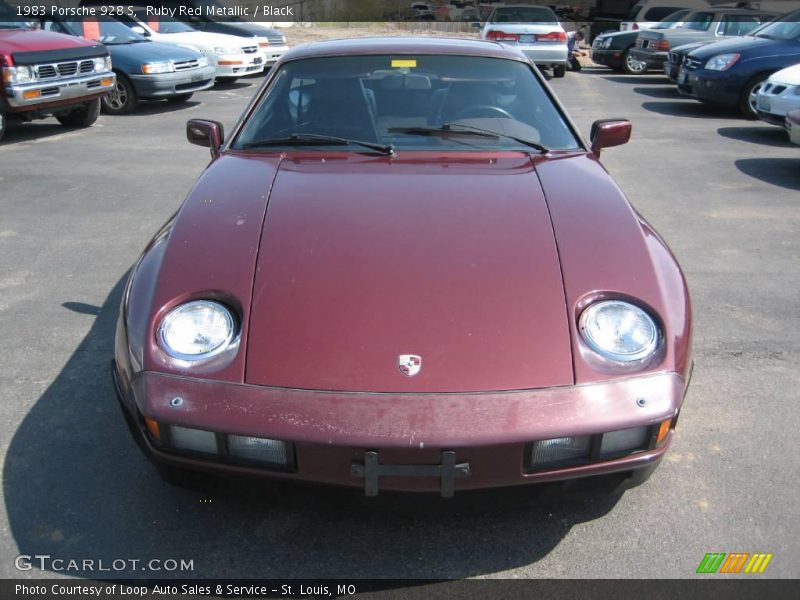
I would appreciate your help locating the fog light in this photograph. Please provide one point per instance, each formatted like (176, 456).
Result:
(545, 453)
(622, 441)
(193, 440)
(262, 450)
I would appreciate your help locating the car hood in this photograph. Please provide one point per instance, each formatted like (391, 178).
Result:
(150, 51)
(620, 35)
(365, 259)
(787, 76)
(208, 40)
(28, 40)
(747, 44)
(686, 48)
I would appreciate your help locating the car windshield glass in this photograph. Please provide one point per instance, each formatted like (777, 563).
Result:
(9, 19)
(104, 30)
(524, 14)
(698, 21)
(786, 28)
(671, 20)
(163, 25)
(402, 102)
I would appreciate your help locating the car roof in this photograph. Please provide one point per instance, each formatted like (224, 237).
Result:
(405, 45)
(734, 11)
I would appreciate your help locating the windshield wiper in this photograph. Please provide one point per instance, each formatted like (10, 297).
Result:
(306, 139)
(448, 129)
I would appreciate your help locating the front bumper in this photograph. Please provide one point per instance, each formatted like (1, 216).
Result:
(271, 54)
(773, 108)
(717, 87)
(608, 57)
(653, 60)
(335, 434)
(80, 88)
(793, 126)
(239, 65)
(672, 70)
(171, 84)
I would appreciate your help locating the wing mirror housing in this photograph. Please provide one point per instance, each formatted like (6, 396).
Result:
(205, 133)
(609, 132)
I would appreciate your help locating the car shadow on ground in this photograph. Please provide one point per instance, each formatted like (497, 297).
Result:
(691, 109)
(18, 131)
(236, 85)
(640, 79)
(658, 92)
(783, 172)
(76, 486)
(764, 134)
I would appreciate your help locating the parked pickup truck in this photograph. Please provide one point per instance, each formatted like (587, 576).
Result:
(653, 46)
(49, 74)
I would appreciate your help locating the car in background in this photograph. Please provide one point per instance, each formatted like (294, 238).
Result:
(652, 47)
(731, 72)
(646, 14)
(233, 56)
(779, 96)
(613, 49)
(271, 42)
(793, 126)
(534, 30)
(550, 336)
(49, 74)
(606, 16)
(145, 70)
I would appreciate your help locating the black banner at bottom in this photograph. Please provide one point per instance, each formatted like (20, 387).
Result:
(413, 589)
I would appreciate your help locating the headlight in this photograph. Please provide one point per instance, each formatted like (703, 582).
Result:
(21, 74)
(722, 62)
(157, 67)
(196, 330)
(226, 51)
(102, 64)
(202, 61)
(619, 331)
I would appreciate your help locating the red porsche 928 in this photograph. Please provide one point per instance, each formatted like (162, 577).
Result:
(405, 269)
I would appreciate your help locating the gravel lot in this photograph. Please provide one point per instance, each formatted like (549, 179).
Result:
(77, 208)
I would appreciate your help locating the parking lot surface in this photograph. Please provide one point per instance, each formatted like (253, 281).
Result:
(76, 209)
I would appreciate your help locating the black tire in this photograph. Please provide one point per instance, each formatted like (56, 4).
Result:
(559, 70)
(628, 65)
(747, 100)
(85, 116)
(122, 100)
(180, 98)
(2, 124)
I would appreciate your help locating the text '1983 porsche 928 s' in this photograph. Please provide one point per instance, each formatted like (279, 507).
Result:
(405, 270)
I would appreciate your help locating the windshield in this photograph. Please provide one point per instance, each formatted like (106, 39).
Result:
(10, 20)
(389, 100)
(786, 28)
(104, 30)
(671, 20)
(163, 25)
(524, 14)
(698, 21)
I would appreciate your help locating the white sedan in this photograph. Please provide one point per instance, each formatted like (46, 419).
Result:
(233, 56)
(779, 95)
(533, 29)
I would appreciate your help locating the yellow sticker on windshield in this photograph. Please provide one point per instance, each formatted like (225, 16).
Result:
(408, 63)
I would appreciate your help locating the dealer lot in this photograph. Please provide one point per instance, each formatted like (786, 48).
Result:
(77, 208)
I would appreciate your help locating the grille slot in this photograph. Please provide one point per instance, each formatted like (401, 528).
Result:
(46, 71)
(86, 66)
(66, 69)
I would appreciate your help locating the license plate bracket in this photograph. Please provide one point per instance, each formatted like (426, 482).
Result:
(527, 39)
(447, 471)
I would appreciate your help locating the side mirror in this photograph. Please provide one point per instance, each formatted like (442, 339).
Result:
(609, 132)
(205, 133)
(140, 30)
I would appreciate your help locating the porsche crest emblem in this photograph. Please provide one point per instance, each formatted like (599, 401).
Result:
(409, 364)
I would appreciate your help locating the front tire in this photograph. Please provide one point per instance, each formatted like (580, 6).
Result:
(748, 99)
(559, 70)
(122, 100)
(85, 116)
(180, 98)
(2, 125)
(631, 66)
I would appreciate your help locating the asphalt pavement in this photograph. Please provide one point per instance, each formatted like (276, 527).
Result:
(77, 208)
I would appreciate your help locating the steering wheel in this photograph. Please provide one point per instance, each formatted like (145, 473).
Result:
(482, 110)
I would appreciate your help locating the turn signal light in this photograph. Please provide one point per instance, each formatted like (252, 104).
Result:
(661, 45)
(152, 427)
(31, 94)
(106, 81)
(229, 62)
(663, 430)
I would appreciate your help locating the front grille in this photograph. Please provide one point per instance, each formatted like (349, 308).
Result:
(275, 40)
(65, 69)
(692, 63)
(186, 64)
(250, 49)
